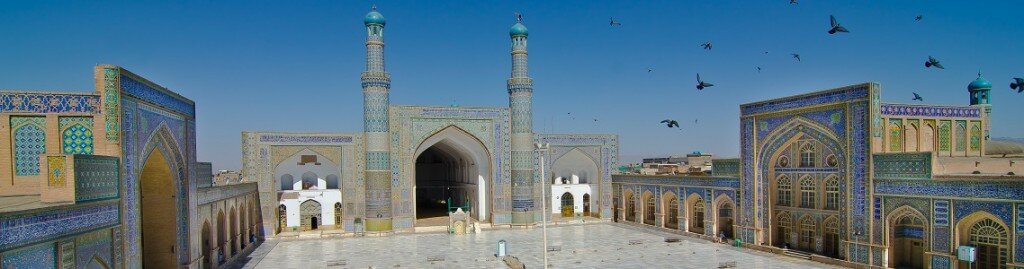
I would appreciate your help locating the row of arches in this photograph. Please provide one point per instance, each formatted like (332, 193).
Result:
(236, 228)
(310, 216)
(699, 219)
(568, 206)
(309, 181)
(912, 136)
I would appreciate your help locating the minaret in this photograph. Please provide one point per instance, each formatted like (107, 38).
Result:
(520, 98)
(376, 84)
(979, 90)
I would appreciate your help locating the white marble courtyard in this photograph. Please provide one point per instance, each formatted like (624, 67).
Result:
(581, 246)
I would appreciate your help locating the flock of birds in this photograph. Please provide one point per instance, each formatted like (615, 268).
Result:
(834, 28)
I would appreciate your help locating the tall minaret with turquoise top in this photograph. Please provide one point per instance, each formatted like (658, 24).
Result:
(980, 89)
(520, 99)
(376, 85)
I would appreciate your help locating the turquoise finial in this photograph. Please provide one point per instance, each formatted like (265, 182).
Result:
(374, 17)
(979, 84)
(518, 29)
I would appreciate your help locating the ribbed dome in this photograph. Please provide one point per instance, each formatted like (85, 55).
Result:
(518, 30)
(979, 84)
(373, 17)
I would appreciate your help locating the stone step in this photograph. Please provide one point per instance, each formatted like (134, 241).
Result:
(797, 254)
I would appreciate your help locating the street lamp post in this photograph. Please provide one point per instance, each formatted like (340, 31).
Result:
(543, 148)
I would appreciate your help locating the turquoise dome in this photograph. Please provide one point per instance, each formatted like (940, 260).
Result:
(979, 84)
(373, 17)
(518, 30)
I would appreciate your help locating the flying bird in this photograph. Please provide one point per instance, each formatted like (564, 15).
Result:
(933, 62)
(706, 45)
(649, 69)
(917, 97)
(918, 18)
(671, 123)
(1018, 84)
(701, 84)
(758, 69)
(519, 17)
(612, 22)
(793, 2)
(836, 28)
(795, 55)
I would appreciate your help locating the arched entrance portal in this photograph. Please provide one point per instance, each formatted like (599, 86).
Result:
(567, 205)
(451, 170)
(907, 233)
(207, 247)
(586, 204)
(159, 214)
(309, 212)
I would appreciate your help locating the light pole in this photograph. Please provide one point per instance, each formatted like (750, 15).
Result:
(543, 148)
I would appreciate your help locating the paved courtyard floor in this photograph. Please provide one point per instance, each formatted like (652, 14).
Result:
(580, 246)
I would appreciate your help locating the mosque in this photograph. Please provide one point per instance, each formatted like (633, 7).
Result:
(840, 177)
(412, 164)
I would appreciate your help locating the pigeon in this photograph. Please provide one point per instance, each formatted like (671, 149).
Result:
(917, 97)
(519, 17)
(706, 45)
(1018, 84)
(649, 69)
(836, 28)
(795, 55)
(933, 62)
(793, 2)
(758, 69)
(701, 84)
(918, 18)
(612, 22)
(671, 123)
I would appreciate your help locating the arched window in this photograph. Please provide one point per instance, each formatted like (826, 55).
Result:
(807, 232)
(945, 136)
(287, 182)
(785, 191)
(783, 229)
(309, 180)
(961, 136)
(337, 215)
(807, 192)
(896, 135)
(807, 154)
(697, 216)
(586, 204)
(29, 142)
(282, 218)
(630, 205)
(672, 213)
(832, 193)
(332, 182)
(649, 210)
(831, 247)
(990, 240)
(975, 137)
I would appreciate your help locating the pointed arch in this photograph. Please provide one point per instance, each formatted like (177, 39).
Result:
(911, 137)
(907, 232)
(629, 204)
(927, 137)
(808, 233)
(830, 229)
(648, 207)
(160, 187)
(989, 235)
(468, 162)
(578, 165)
(783, 233)
(696, 210)
(725, 209)
(670, 204)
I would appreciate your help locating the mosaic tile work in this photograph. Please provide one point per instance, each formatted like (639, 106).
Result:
(97, 178)
(48, 102)
(903, 166)
(930, 111)
(29, 137)
(94, 245)
(112, 103)
(76, 135)
(19, 229)
(56, 171)
(38, 256)
(951, 188)
(725, 167)
(67, 254)
(143, 90)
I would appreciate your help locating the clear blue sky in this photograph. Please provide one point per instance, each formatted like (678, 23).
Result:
(284, 66)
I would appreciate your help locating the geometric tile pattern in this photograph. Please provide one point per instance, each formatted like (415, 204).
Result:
(140, 88)
(29, 142)
(112, 104)
(97, 178)
(55, 171)
(38, 256)
(44, 102)
(76, 135)
(903, 165)
(20, 229)
(930, 111)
